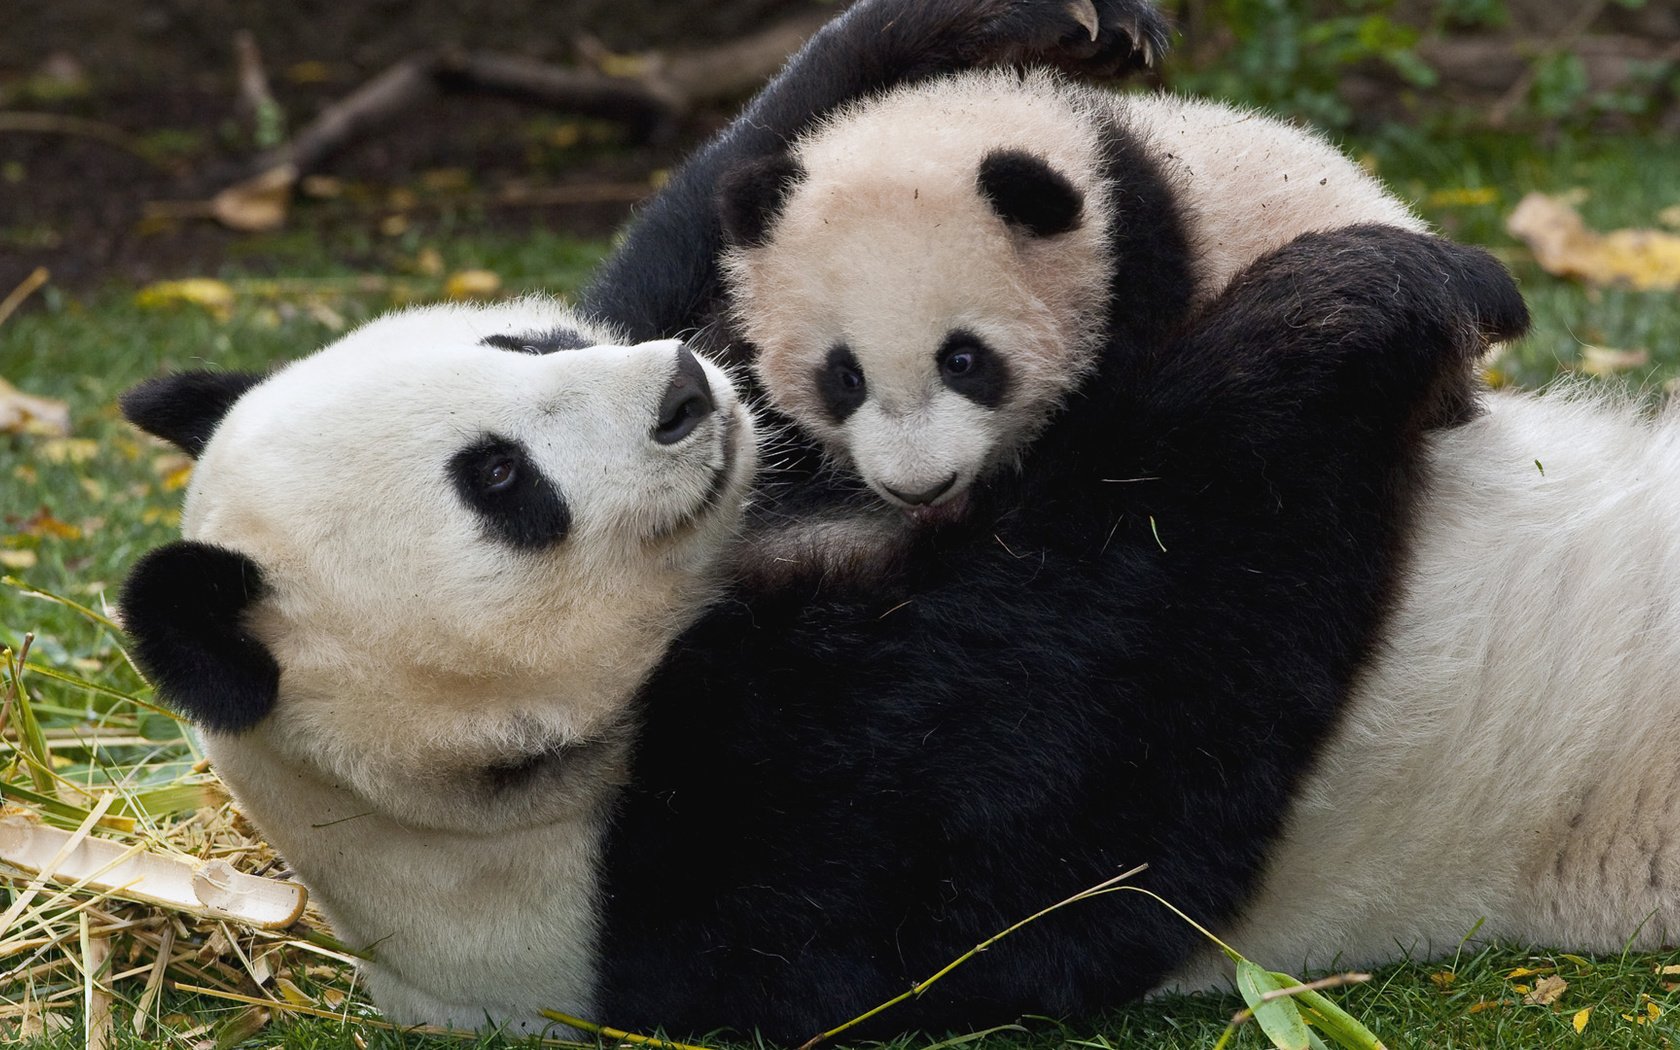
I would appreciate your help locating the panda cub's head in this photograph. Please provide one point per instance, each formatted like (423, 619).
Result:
(435, 521)
(924, 277)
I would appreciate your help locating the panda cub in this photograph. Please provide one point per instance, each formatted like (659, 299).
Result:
(449, 615)
(928, 274)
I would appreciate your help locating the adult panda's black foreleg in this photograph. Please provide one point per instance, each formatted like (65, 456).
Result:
(663, 279)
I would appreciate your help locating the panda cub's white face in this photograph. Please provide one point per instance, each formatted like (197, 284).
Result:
(922, 314)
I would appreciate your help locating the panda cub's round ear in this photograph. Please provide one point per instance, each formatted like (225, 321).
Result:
(1027, 192)
(751, 197)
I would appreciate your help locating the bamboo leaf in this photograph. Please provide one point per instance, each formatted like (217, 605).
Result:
(1342, 1027)
(1279, 1018)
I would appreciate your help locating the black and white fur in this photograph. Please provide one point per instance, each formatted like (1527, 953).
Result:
(1128, 652)
(927, 274)
(450, 729)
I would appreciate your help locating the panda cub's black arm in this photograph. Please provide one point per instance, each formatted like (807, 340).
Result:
(663, 278)
(1384, 324)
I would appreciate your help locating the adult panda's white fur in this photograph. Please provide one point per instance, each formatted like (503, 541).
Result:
(1507, 765)
(450, 721)
(880, 238)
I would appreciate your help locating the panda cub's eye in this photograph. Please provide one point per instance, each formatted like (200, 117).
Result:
(960, 363)
(840, 383)
(969, 367)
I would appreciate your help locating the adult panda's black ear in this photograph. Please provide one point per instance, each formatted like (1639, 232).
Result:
(751, 197)
(183, 409)
(183, 607)
(1027, 192)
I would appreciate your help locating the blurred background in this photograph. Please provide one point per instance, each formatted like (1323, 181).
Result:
(119, 123)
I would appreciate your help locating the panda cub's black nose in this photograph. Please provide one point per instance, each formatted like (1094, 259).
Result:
(687, 400)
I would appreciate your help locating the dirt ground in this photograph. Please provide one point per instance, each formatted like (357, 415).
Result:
(157, 82)
(139, 103)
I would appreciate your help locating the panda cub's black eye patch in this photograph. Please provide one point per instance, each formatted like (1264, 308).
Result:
(969, 367)
(840, 383)
(514, 501)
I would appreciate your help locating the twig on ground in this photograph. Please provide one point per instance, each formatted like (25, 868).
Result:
(27, 287)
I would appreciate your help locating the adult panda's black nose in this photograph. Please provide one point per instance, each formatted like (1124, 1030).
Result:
(687, 400)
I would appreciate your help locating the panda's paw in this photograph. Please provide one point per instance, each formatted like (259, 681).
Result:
(1100, 38)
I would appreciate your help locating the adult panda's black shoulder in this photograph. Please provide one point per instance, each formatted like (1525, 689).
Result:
(1133, 661)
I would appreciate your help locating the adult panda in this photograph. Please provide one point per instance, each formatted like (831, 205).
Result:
(927, 274)
(432, 680)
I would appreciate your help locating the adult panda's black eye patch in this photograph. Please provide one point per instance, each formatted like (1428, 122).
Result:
(840, 383)
(561, 338)
(969, 367)
(516, 503)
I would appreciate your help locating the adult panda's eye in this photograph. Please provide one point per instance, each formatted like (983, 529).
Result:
(848, 378)
(500, 474)
(514, 501)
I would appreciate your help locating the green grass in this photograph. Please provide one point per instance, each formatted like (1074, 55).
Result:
(82, 510)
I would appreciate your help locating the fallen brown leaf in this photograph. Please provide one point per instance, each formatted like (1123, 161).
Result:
(259, 203)
(1547, 991)
(22, 413)
(1563, 245)
(1603, 361)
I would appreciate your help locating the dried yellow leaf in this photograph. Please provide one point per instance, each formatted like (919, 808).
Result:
(1485, 1004)
(1444, 979)
(1603, 361)
(471, 284)
(214, 297)
(259, 203)
(44, 525)
(67, 450)
(1520, 989)
(1653, 1011)
(22, 413)
(18, 559)
(1524, 971)
(1463, 197)
(1580, 1019)
(1547, 991)
(1564, 245)
(1668, 971)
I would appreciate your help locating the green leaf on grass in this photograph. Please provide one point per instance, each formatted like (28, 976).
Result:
(1279, 1018)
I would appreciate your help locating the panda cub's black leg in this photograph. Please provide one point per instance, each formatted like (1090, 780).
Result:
(663, 279)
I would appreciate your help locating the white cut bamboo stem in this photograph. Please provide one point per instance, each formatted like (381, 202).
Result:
(212, 889)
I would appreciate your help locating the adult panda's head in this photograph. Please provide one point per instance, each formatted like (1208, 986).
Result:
(925, 277)
(434, 543)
